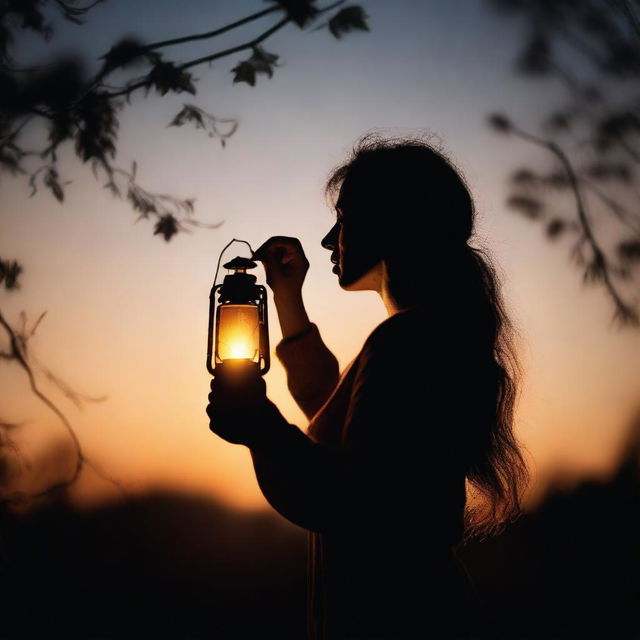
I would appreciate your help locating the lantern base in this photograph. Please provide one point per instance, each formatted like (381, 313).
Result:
(237, 369)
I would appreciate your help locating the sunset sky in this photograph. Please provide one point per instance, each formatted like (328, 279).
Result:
(127, 313)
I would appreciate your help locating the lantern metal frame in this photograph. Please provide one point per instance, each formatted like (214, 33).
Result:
(238, 288)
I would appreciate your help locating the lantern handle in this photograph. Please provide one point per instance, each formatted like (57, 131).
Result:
(215, 278)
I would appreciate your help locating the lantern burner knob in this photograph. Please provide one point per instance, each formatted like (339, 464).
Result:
(240, 264)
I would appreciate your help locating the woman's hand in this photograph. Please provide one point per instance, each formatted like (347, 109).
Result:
(285, 265)
(240, 412)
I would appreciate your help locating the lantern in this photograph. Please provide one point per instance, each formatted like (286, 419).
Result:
(238, 328)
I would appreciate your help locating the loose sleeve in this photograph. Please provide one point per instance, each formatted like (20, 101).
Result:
(392, 456)
(312, 370)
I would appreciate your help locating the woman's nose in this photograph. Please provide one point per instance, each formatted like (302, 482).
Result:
(330, 240)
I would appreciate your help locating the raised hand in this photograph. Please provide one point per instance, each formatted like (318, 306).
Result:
(285, 265)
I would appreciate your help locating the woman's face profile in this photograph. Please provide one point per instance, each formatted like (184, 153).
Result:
(355, 241)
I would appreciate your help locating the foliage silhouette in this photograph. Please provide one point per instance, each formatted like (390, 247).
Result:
(82, 112)
(588, 194)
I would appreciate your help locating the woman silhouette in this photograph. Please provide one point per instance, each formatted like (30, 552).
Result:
(420, 418)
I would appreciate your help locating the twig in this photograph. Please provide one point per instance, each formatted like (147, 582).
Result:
(17, 353)
(623, 214)
(622, 309)
(214, 56)
(211, 34)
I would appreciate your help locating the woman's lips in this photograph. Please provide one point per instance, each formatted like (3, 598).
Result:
(335, 268)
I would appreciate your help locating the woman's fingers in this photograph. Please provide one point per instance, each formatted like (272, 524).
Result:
(284, 262)
(281, 248)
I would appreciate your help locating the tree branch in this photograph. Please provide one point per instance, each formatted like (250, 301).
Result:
(18, 353)
(232, 50)
(214, 56)
(211, 34)
(601, 266)
(624, 215)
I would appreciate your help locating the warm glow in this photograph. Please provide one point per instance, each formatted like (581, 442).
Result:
(127, 313)
(238, 332)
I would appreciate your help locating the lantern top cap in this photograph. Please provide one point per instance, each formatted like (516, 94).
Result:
(240, 263)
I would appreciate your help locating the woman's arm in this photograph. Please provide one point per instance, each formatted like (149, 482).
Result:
(297, 477)
(383, 471)
(312, 370)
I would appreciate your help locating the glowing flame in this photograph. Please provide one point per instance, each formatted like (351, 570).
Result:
(238, 332)
(240, 349)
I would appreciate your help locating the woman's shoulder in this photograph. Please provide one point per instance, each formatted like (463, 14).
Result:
(409, 329)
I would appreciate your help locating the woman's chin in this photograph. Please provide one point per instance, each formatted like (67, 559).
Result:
(371, 280)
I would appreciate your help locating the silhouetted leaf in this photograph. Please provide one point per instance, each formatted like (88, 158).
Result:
(499, 123)
(535, 59)
(529, 207)
(61, 128)
(51, 181)
(122, 54)
(619, 124)
(259, 62)
(555, 228)
(558, 122)
(167, 227)
(10, 270)
(141, 201)
(263, 61)
(244, 72)
(300, 11)
(97, 127)
(609, 171)
(524, 177)
(188, 113)
(166, 77)
(556, 180)
(595, 269)
(29, 15)
(348, 19)
(629, 250)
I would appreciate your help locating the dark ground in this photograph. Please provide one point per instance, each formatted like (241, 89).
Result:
(176, 566)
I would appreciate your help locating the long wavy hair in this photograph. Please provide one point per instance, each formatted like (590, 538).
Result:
(411, 185)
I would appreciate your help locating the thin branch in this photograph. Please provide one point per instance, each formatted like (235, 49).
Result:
(211, 34)
(622, 213)
(214, 56)
(232, 50)
(17, 344)
(79, 10)
(628, 12)
(622, 309)
(229, 27)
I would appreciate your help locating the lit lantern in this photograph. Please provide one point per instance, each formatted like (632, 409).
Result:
(238, 329)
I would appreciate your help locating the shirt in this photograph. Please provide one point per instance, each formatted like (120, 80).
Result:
(379, 482)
